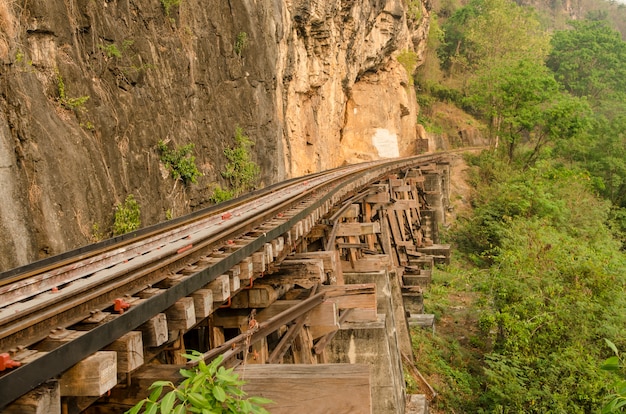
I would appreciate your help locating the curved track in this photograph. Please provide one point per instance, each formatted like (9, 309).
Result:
(63, 290)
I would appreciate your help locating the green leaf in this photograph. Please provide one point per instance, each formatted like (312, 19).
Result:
(167, 403)
(612, 346)
(151, 408)
(197, 400)
(136, 408)
(611, 364)
(154, 395)
(180, 409)
(187, 373)
(219, 393)
(260, 400)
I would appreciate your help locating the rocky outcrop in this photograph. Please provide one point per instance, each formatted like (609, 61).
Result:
(88, 88)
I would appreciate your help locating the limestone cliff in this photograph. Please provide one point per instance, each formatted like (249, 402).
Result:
(88, 88)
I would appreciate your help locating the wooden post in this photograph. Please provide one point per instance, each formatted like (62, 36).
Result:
(91, 377)
(154, 332)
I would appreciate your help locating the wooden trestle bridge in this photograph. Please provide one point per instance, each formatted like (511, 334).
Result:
(328, 267)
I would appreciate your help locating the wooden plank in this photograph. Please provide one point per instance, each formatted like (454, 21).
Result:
(91, 377)
(324, 314)
(220, 287)
(246, 269)
(181, 315)
(154, 332)
(311, 389)
(330, 258)
(357, 229)
(351, 296)
(259, 263)
(305, 273)
(129, 348)
(45, 399)
(203, 303)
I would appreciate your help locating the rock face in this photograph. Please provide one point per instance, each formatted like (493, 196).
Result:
(88, 89)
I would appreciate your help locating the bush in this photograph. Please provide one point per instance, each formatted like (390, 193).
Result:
(220, 194)
(180, 162)
(241, 171)
(127, 216)
(207, 389)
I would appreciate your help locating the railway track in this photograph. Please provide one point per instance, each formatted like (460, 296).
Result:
(64, 290)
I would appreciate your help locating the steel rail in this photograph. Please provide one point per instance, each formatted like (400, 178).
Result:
(20, 325)
(22, 379)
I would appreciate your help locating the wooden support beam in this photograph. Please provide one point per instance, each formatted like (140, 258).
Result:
(45, 399)
(260, 295)
(331, 261)
(129, 348)
(305, 273)
(246, 269)
(202, 303)
(181, 315)
(220, 287)
(91, 377)
(357, 229)
(351, 296)
(313, 389)
(154, 331)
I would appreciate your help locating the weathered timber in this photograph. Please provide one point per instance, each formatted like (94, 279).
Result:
(311, 389)
(181, 315)
(352, 295)
(154, 331)
(220, 287)
(331, 260)
(93, 376)
(305, 273)
(258, 296)
(321, 319)
(368, 263)
(45, 399)
(357, 229)
(129, 348)
(202, 303)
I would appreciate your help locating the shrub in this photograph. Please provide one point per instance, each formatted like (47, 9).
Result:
(241, 171)
(69, 103)
(207, 389)
(127, 216)
(241, 43)
(180, 162)
(168, 4)
(221, 194)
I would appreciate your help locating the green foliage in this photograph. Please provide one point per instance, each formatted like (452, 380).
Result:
(221, 194)
(414, 9)
(241, 171)
(241, 43)
(589, 61)
(127, 216)
(206, 389)
(67, 102)
(112, 51)
(523, 104)
(408, 59)
(489, 31)
(180, 162)
(616, 402)
(551, 286)
(168, 4)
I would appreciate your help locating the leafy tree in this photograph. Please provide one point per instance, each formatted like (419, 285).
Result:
(523, 104)
(487, 31)
(590, 61)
